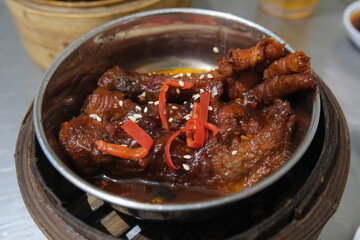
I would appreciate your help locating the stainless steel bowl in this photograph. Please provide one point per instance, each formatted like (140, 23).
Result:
(150, 41)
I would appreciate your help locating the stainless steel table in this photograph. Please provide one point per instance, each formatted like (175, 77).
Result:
(321, 36)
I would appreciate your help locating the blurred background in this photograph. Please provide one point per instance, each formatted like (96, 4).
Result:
(31, 38)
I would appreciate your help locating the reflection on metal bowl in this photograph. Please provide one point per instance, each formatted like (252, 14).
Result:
(145, 42)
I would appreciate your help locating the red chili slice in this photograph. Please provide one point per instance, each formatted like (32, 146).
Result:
(138, 134)
(212, 128)
(168, 145)
(204, 111)
(162, 103)
(204, 106)
(131, 128)
(198, 135)
(121, 151)
(190, 134)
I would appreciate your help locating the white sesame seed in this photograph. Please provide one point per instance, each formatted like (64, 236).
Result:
(156, 103)
(185, 102)
(186, 167)
(124, 145)
(143, 94)
(215, 49)
(187, 117)
(210, 108)
(136, 115)
(234, 152)
(138, 108)
(196, 96)
(145, 110)
(150, 102)
(171, 120)
(96, 117)
(188, 74)
(179, 75)
(174, 107)
(178, 91)
(187, 156)
(191, 105)
(121, 103)
(209, 75)
(201, 90)
(202, 76)
(181, 83)
(132, 118)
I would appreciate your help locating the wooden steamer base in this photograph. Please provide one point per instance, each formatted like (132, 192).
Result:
(295, 207)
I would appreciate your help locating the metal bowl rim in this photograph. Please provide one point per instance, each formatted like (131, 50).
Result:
(81, 183)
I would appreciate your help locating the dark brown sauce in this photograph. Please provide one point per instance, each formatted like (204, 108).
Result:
(355, 20)
(154, 192)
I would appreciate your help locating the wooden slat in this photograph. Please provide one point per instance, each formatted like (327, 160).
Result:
(81, 210)
(115, 224)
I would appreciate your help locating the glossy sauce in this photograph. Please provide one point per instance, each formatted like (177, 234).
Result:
(254, 122)
(180, 70)
(355, 20)
(155, 192)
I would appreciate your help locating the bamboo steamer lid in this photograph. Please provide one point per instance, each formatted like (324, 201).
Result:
(46, 27)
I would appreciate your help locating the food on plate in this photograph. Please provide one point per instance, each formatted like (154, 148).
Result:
(192, 135)
(355, 20)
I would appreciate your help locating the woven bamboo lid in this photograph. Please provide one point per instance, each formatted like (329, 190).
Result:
(46, 27)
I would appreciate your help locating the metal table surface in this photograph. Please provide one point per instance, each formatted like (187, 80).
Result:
(334, 58)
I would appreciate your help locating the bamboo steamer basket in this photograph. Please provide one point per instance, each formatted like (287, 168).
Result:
(46, 27)
(296, 207)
